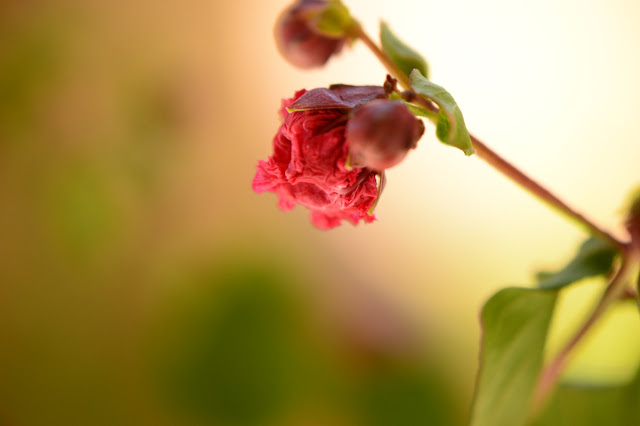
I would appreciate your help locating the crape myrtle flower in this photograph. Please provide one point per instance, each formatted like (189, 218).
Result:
(309, 164)
(309, 32)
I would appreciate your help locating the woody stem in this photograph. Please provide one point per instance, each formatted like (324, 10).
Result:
(510, 171)
(488, 155)
(550, 376)
(402, 78)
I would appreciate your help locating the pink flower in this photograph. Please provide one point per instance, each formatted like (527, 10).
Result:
(308, 165)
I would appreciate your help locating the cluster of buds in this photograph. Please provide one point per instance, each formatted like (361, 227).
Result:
(333, 143)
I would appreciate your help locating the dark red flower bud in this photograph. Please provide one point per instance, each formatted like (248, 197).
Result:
(381, 133)
(299, 38)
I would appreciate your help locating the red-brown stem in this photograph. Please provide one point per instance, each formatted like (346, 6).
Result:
(551, 374)
(629, 293)
(487, 154)
(402, 78)
(510, 171)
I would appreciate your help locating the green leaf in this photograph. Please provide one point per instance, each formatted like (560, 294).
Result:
(595, 257)
(400, 54)
(515, 323)
(422, 112)
(450, 127)
(593, 406)
(405, 395)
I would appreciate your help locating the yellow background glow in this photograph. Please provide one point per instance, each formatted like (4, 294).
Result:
(129, 135)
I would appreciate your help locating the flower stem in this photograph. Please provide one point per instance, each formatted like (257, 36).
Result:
(510, 171)
(402, 78)
(551, 374)
(616, 289)
(487, 154)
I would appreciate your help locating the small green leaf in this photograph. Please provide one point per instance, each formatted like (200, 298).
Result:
(442, 126)
(400, 54)
(422, 112)
(450, 127)
(515, 323)
(334, 20)
(595, 257)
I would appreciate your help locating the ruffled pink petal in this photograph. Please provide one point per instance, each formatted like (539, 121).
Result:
(308, 168)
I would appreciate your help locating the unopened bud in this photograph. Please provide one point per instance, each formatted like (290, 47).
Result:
(381, 133)
(309, 32)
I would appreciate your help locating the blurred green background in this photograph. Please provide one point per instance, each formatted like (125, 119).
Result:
(142, 282)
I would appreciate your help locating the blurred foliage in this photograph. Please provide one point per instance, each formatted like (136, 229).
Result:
(593, 406)
(235, 353)
(245, 350)
(405, 396)
(30, 62)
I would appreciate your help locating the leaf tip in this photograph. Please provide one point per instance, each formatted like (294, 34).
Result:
(414, 75)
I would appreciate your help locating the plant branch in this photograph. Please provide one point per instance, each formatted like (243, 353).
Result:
(551, 374)
(629, 293)
(487, 154)
(510, 171)
(382, 57)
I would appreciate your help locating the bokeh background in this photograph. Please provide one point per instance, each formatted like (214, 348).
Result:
(142, 282)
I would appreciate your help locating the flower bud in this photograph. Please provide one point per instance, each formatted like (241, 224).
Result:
(380, 133)
(299, 37)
